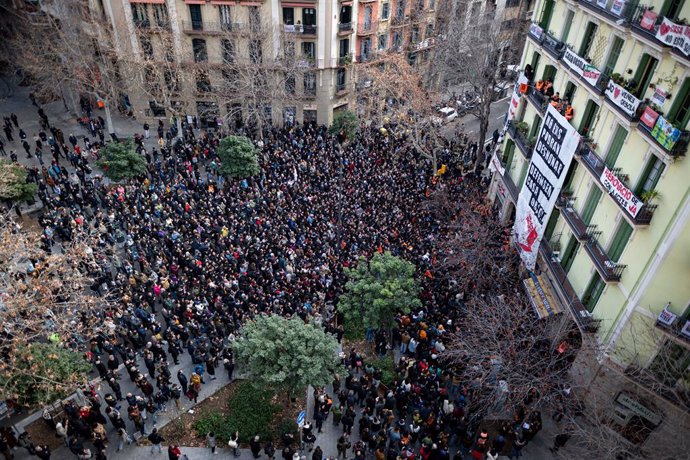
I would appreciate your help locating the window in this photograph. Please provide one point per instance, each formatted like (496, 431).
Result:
(415, 34)
(620, 241)
(397, 40)
(225, 15)
(569, 93)
(171, 81)
(310, 83)
(587, 40)
(156, 109)
(309, 16)
(254, 18)
(680, 111)
(569, 254)
(429, 31)
(412, 59)
(593, 292)
(290, 84)
(289, 16)
(614, 54)
(644, 74)
(195, 16)
(290, 50)
(432, 4)
(566, 27)
(289, 115)
(650, 176)
(551, 224)
(344, 47)
(591, 204)
(512, 3)
(616, 145)
(345, 14)
(508, 154)
(588, 117)
(420, 5)
(383, 41)
(341, 77)
(203, 84)
(309, 116)
(228, 51)
(365, 48)
(549, 73)
(367, 17)
(546, 12)
(309, 50)
(199, 50)
(146, 47)
(385, 11)
(672, 8)
(400, 10)
(140, 15)
(160, 15)
(255, 51)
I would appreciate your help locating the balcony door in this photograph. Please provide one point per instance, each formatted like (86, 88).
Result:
(588, 117)
(644, 74)
(546, 13)
(195, 17)
(569, 254)
(679, 114)
(620, 241)
(671, 8)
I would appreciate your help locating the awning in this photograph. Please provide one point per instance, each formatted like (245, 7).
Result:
(541, 296)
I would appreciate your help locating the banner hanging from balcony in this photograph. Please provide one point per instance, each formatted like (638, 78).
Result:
(553, 153)
(675, 35)
(583, 68)
(622, 99)
(620, 192)
(515, 99)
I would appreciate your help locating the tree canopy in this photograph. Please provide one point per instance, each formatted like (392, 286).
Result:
(13, 185)
(238, 157)
(346, 122)
(43, 373)
(376, 289)
(287, 354)
(120, 161)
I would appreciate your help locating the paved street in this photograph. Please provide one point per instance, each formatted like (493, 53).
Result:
(469, 124)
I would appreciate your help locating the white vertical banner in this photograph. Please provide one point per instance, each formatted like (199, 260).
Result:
(553, 152)
(515, 99)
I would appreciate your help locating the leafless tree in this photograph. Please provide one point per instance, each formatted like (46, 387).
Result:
(61, 48)
(471, 54)
(43, 296)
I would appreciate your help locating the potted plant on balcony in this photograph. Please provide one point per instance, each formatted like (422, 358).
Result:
(522, 127)
(649, 195)
(617, 79)
(345, 60)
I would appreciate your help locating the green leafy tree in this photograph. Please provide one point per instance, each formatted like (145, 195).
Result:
(287, 354)
(42, 374)
(120, 161)
(13, 185)
(376, 290)
(238, 157)
(345, 122)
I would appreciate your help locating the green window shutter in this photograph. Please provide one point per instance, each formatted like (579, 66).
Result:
(590, 31)
(548, 232)
(681, 106)
(546, 12)
(566, 27)
(650, 177)
(535, 127)
(569, 254)
(620, 240)
(616, 146)
(593, 292)
(644, 74)
(591, 204)
(614, 54)
(508, 154)
(523, 174)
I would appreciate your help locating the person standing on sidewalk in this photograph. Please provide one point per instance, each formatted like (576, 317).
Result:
(146, 130)
(234, 444)
(559, 441)
(211, 442)
(156, 440)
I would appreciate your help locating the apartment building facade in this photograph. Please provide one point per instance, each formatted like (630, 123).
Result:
(316, 34)
(613, 250)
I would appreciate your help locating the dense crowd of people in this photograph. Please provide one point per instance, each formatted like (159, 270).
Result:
(187, 257)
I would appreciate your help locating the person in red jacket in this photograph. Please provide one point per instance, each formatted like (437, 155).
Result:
(174, 452)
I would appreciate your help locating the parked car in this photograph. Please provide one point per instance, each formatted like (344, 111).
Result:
(448, 114)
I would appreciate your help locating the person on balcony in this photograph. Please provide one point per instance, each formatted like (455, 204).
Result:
(569, 113)
(539, 86)
(548, 88)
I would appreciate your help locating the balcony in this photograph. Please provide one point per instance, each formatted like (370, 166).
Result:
(518, 134)
(586, 72)
(609, 270)
(210, 27)
(310, 93)
(571, 217)
(677, 330)
(623, 102)
(340, 89)
(612, 13)
(677, 396)
(553, 46)
(367, 28)
(536, 33)
(612, 182)
(656, 129)
(569, 296)
(645, 23)
(345, 28)
(510, 186)
(367, 57)
(142, 23)
(539, 100)
(300, 29)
